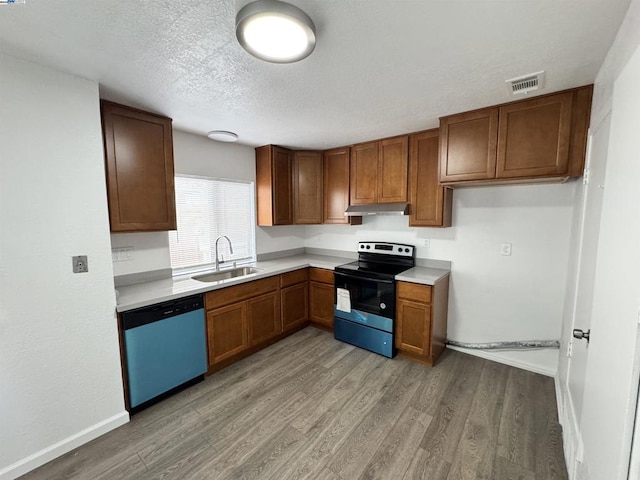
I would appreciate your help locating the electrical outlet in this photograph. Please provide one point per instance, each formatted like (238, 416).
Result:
(569, 349)
(426, 242)
(505, 249)
(80, 264)
(121, 254)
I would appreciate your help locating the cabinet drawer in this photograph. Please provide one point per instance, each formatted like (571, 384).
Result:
(291, 278)
(225, 296)
(321, 275)
(414, 291)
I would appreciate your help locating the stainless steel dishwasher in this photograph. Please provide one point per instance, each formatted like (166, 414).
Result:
(165, 349)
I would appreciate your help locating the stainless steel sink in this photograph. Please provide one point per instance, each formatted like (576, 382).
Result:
(227, 274)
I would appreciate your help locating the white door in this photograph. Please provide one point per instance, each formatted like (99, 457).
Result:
(611, 379)
(588, 249)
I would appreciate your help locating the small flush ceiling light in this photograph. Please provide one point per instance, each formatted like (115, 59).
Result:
(275, 31)
(222, 136)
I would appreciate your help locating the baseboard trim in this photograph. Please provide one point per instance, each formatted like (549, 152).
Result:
(506, 361)
(571, 438)
(60, 448)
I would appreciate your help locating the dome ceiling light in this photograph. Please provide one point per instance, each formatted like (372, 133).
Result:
(222, 136)
(275, 31)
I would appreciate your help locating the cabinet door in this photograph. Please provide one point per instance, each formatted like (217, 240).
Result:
(393, 157)
(321, 304)
(139, 168)
(468, 145)
(413, 323)
(336, 185)
(263, 317)
(282, 195)
(431, 203)
(307, 188)
(534, 137)
(274, 186)
(295, 305)
(364, 173)
(226, 331)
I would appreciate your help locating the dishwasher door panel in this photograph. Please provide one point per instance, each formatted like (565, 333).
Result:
(165, 354)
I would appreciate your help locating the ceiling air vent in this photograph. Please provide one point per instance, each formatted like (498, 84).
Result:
(526, 83)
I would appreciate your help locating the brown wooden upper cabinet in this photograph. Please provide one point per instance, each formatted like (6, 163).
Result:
(302, 187)
(530, 141)
(431, 203)
(139, 168)
(307, 187)
(379, 171)
(274, 185)
(336, 187)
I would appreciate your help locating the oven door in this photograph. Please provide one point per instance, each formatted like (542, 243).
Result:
(366, 295)
(366, 320)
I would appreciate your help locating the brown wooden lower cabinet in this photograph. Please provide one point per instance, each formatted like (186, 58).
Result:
(421, 320)
(294, 299)
(241, 317)
(321, 298)
(227, 331)
(263, 317)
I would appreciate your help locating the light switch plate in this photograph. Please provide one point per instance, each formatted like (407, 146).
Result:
(80, 264)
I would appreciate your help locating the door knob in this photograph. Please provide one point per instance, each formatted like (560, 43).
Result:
(579, 334)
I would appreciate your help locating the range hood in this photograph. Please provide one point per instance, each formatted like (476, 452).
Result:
(377, 209)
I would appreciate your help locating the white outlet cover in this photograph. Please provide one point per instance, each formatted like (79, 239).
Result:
(121, 254)
(505, 249)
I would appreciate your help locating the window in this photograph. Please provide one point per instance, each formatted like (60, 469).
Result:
(206, 209)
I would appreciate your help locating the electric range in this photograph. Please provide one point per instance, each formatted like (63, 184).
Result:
(365, 295)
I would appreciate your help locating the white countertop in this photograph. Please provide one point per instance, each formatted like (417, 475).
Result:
(148, 293)
(424, 275)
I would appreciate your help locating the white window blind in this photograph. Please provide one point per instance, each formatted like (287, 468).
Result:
(207, 208)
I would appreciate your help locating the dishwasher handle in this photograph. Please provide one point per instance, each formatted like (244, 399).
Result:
(154, 313)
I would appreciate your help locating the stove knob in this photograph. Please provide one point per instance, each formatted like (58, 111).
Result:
(368, 247)
(406, 250)
(399, 249)
(361, 246)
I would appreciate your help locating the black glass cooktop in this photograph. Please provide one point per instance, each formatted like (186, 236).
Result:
(372, 269)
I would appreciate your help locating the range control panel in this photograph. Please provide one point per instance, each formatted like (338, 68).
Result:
(386, 248)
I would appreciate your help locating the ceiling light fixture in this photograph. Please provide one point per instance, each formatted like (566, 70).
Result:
(222, 136)
(275, 31)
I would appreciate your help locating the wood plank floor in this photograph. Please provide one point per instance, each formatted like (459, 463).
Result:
(312, 407)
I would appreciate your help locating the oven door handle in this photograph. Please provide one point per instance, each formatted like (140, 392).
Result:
(356, 277)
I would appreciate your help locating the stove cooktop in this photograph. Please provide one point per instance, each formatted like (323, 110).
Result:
(380, 260)
(373, 268)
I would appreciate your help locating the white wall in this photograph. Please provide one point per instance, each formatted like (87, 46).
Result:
(60, 374)
(197, 155)
(492, 297)
(150, 252)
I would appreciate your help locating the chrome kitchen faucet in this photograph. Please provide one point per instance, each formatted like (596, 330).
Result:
(218, 261)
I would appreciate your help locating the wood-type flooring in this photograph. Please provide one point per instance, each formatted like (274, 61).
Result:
(312, 407)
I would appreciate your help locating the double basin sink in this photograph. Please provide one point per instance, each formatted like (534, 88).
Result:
(227, 274)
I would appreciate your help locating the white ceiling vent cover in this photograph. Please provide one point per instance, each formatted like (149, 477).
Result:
(526, 83)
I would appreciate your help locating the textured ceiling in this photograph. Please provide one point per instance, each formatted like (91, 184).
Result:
(380, 67)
